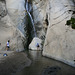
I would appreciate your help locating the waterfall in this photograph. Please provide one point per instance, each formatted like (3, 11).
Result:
(36, 40)
(32, 23)
(28, 8)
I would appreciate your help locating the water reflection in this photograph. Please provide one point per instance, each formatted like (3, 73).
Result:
(40, 64)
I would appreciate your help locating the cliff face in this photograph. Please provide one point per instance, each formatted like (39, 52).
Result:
(40, 15)
(52, 15)
(12, 15)
(16, 12)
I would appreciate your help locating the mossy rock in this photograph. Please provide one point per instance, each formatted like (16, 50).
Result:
(73, 26)
(71, 23)
(72, 20)
(68, 22)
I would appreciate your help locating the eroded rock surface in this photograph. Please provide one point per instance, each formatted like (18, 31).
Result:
(59, 42)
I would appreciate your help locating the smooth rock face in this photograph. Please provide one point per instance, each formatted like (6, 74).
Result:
(13, 22)
(40, 15)
(59, 43)
(16, 11)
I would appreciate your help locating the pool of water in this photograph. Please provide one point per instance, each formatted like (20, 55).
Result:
(45, 66)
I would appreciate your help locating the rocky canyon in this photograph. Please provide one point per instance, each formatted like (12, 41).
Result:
(50, 21)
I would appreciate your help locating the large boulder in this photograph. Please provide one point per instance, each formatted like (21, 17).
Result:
(35, 44)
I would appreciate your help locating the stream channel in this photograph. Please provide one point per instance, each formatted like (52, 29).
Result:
(45, 66)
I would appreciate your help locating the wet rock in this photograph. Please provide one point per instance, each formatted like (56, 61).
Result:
(51, 70)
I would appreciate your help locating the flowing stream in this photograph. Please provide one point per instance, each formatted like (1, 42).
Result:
(45, 66)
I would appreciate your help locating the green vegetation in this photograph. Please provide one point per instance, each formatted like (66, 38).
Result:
(71, 23)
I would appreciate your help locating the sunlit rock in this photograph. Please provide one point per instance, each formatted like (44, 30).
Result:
(13, 22)
(59, 43)
(16, 11)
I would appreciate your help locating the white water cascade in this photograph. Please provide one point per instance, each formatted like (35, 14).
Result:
(28, 9)
(32, 23)
(36, 40)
